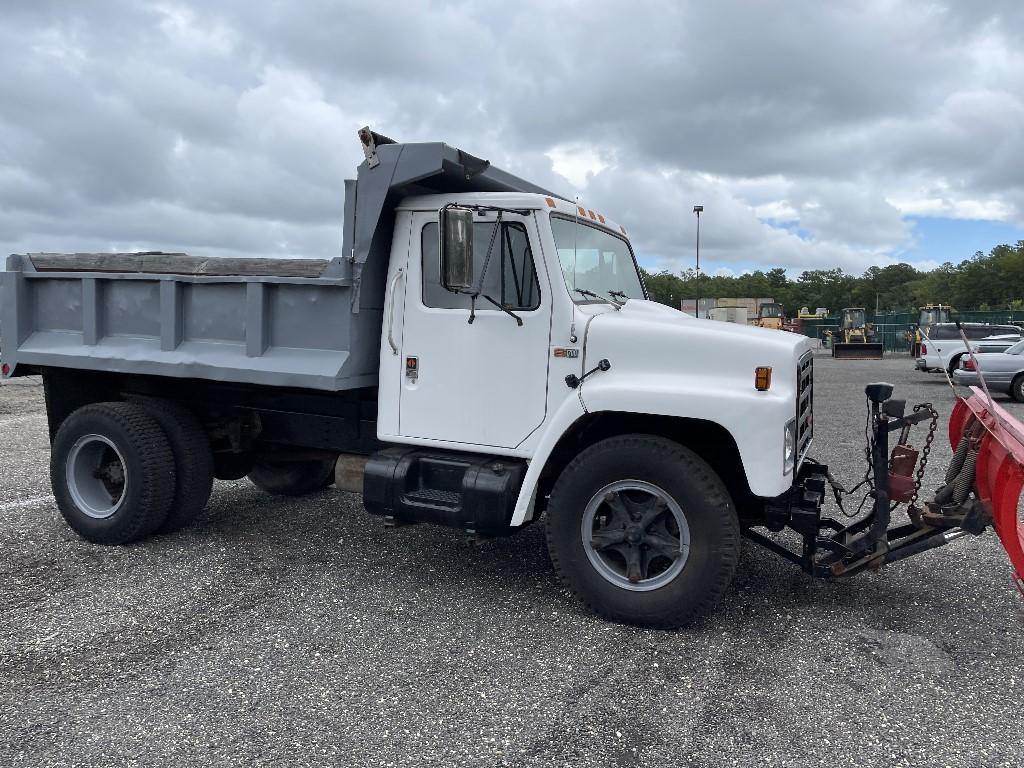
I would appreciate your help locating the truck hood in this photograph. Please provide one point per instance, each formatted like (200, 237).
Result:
(647, 337)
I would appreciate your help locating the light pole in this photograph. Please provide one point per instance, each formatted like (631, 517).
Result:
(696, 306)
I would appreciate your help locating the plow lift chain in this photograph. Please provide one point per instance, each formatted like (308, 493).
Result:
(832, 549)
(925, 452)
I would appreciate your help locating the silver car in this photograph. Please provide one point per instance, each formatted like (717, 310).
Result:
(1003, 371)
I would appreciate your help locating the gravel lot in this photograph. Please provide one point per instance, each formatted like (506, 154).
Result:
(303, 633)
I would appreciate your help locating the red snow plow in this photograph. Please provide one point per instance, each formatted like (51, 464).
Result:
(981, 488)
(997, 441)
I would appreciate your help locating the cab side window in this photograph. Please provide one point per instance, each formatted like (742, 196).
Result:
(975, 332)
(510, 277)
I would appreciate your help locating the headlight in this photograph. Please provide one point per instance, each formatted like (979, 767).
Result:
(788, 446)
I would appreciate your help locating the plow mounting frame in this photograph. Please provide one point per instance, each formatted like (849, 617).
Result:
(991, 488)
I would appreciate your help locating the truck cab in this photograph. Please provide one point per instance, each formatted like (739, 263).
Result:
(557, 292)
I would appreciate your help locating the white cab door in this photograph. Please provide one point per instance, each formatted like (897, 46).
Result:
(480, 383)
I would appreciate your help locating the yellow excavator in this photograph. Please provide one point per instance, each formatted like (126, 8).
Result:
(930, 315)
(770, 315)
(856, 338)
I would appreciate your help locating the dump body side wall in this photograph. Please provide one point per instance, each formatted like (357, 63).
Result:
(256, 329)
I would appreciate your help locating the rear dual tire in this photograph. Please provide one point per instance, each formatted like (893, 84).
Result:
(112, 472)
(121, 471)
(193, 461)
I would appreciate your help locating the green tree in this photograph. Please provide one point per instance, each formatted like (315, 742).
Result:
(994, 280)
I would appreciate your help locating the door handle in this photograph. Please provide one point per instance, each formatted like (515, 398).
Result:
(391, 310)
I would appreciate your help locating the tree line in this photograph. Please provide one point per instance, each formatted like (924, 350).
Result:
(986, 282)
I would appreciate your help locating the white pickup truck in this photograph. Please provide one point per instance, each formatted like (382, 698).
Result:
(482, 353)
(943, 346)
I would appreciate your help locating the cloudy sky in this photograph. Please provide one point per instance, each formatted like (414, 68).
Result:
(815, 134)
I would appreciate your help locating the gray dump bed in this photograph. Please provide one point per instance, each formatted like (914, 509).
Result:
(281, 322)
(261, 321)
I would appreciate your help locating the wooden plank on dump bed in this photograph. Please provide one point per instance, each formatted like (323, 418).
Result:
(176, 264)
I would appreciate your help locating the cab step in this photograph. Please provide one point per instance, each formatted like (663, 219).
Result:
(472, 491)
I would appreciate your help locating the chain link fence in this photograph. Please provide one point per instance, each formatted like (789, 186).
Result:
(896, 329)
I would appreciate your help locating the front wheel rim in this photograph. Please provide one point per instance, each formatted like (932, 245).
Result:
(97, 476)
(635, 535)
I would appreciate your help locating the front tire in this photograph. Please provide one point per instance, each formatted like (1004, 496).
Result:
(643, 531)
(112, 472)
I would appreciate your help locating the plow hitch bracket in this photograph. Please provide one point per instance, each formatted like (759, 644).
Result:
(982, 487)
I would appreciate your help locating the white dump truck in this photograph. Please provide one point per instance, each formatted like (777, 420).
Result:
(481, 354)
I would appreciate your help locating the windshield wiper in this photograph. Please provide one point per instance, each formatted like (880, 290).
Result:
(598, 296)
(620, 295)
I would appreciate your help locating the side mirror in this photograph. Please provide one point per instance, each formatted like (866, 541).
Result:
(456, 233)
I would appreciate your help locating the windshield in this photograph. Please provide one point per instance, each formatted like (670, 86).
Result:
(853, 318)
(596, 261)
(1016, 349)
(771, 310)
(932, 316)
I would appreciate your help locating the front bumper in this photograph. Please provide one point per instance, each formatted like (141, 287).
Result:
(970, 379)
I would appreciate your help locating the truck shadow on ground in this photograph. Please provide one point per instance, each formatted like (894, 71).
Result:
(332, 532)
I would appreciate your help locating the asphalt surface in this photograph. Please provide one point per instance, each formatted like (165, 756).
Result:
(302, 633)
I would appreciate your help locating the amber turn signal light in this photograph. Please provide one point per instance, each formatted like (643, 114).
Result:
(762, 378)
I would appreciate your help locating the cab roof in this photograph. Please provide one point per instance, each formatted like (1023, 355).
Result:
(523, 200)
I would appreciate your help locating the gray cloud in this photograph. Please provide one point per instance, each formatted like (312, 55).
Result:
(808, 130)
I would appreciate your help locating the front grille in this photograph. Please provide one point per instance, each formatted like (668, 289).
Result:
(804, 405)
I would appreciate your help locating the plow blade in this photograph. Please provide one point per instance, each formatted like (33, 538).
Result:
(999, 472)
(867, 351)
